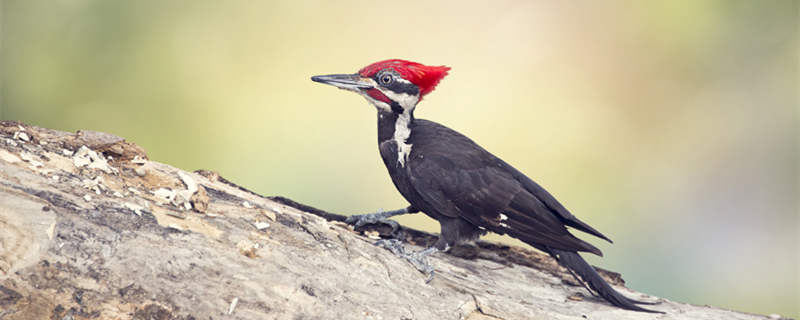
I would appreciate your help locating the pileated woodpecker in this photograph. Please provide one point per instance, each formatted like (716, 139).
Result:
(453, 180)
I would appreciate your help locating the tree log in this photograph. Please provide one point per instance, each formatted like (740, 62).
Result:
(91, 229)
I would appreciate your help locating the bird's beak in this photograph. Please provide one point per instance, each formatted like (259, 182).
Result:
(351, 82)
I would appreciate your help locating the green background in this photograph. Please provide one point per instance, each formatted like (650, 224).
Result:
(670, 126)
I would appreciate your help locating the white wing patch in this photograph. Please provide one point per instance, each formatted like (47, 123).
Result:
(502, 218)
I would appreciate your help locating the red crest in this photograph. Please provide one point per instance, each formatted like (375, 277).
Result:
(424, 77)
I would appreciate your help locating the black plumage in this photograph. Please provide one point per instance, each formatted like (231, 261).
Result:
(468, 190)
(448, 176)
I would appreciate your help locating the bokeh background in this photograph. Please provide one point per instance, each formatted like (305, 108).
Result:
(670, 126)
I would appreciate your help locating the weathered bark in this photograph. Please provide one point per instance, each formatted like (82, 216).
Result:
(102, 233)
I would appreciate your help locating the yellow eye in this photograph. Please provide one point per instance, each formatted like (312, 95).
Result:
(387, 79)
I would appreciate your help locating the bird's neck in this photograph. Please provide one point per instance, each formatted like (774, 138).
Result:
(396, 127)
(390, 123)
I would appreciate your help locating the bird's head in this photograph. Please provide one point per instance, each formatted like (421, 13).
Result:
(390, 85)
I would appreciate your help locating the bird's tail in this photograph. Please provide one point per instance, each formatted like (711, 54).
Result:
(574, 262)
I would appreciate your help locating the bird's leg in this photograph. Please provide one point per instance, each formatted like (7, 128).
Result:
(381, 216)
(418, 259)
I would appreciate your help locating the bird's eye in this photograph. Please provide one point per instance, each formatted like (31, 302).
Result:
(387, 79)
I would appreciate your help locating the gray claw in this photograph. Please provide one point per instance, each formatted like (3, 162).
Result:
(418, 259)
(430, 276)
(393, 245)
(360, 220)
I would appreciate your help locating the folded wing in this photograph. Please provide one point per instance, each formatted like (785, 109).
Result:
(493, 195)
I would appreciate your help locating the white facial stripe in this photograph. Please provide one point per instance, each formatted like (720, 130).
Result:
(401, 126)
(399, 79)
(407, 101)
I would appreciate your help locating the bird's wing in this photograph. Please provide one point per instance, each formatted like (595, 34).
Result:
(551, 203)
(488, 195)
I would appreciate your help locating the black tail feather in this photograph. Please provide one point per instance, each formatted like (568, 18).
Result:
(574, 262)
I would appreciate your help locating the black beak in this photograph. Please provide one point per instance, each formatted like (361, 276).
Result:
(352, 82)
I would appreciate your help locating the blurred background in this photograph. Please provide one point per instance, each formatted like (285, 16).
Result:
(670, 126)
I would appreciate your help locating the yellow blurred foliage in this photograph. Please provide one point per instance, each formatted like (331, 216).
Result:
(670, 126)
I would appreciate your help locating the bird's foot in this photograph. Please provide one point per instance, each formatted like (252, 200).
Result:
(359, 220)
(418, 259)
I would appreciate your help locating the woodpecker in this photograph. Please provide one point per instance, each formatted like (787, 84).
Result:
(450, 178)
